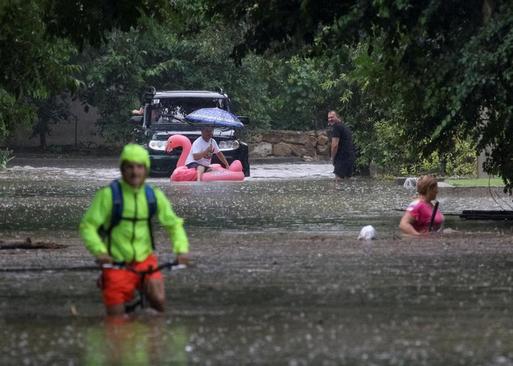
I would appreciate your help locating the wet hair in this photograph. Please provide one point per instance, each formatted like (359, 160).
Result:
(337, 115)
(425, 184)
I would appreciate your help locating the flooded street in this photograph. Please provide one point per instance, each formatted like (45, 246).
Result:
(279, 277)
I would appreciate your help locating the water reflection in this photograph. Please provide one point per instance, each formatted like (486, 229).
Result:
(140, 341)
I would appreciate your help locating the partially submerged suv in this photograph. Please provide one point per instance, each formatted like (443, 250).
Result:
(164, 113)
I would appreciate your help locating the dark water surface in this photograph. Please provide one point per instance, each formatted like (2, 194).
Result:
(278, 278)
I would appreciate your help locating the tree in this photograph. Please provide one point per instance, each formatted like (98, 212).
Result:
(38, 38)
(446, 65)
(32, 66)
(49, 111)
(158, 54)
(89, 21)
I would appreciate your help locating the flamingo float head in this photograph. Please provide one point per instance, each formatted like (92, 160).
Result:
(175, 141)
(182, 141)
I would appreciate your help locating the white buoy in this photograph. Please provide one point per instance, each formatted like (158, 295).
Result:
(410, 183)
(367, 233)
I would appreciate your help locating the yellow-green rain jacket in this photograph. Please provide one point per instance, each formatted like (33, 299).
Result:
(130, 240)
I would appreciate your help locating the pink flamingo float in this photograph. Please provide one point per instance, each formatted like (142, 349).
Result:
(184, 174)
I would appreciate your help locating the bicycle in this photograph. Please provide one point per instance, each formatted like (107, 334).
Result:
(140, 299)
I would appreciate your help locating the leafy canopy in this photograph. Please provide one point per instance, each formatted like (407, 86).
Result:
(443, 67)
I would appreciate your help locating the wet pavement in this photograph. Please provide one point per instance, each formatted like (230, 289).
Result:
(279, 277)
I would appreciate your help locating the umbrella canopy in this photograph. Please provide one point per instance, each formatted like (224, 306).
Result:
(215, 117)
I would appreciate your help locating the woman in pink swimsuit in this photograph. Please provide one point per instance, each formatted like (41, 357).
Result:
(417, 218)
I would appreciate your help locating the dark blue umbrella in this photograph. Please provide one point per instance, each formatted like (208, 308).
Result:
(215, 117)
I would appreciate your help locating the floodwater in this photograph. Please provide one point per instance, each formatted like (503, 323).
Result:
(279, 277)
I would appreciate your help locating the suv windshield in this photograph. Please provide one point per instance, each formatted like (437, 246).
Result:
(173, 110)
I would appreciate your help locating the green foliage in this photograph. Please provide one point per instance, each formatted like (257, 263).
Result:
(5, 157)
(33, 66)
(435, 71)
(88, 21)
(486, 90)
(382, 132)
(303, 90)
(420, 83)
(10, 111)
(37, 42)
(153, 54)
(462, 160)
(192, 51)
(277, 25)
(448, 77)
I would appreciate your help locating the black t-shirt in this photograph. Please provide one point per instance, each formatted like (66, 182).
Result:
(345, 143)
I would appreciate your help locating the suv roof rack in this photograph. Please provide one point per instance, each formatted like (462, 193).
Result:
(189, 93)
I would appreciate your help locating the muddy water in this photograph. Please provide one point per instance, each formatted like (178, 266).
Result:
(278, 279)
(277, 196)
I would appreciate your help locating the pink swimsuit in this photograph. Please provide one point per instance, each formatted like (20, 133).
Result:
(422, 212)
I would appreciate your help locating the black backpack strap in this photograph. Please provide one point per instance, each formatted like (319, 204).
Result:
(152, 209)
(117, 203)
(117, 209)
(152, 200)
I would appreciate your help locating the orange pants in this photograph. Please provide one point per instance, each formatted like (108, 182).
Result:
(119, 285)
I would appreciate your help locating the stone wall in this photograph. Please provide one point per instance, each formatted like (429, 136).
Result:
(308, 145)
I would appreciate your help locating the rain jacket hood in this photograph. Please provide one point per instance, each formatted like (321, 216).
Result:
(135, 154)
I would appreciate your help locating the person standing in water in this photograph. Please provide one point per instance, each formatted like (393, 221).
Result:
(342, 149)
(117, 229)
(200, 156)
(418, 218)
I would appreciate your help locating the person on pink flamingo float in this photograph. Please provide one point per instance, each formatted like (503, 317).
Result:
(200, 156)
(421, 216)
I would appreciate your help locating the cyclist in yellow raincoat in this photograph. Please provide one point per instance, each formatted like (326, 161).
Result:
(117, 228)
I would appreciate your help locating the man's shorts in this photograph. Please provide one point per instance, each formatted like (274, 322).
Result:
(194, 165)
(344, 168)
(119, 285)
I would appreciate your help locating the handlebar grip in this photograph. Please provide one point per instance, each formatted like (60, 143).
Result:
(114, 265)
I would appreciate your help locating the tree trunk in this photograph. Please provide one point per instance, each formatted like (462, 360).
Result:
(488, 10)
(42, 140)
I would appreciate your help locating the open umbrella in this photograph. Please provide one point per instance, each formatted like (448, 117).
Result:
(215, 117)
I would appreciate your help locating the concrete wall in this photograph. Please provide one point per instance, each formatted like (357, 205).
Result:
(81, 131)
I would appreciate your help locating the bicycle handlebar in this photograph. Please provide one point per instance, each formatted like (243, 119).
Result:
(122, 265)
(171, 265)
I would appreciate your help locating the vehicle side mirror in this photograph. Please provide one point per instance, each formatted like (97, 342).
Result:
(244, 119)
(136, 120)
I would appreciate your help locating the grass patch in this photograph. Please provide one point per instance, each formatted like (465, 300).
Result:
(476, 182)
